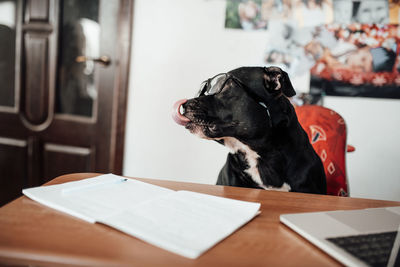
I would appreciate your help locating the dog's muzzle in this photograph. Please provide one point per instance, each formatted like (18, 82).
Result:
(177, 111)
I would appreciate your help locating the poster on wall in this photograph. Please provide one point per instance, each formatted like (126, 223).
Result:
(356, 60)
(309, 13)
(257, 14)
(246, 15)
(347, 46)
(286, 38)
(361, 11)
(394, 11)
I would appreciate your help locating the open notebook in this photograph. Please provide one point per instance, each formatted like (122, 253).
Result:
(183, 222)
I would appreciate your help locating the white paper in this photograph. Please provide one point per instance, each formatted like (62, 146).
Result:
(186, 223)
(94, 198)
(183, 222)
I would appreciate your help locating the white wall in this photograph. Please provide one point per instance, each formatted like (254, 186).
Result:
(373, 127)
(179, 43)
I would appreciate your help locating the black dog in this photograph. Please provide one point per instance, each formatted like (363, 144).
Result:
(248, 111)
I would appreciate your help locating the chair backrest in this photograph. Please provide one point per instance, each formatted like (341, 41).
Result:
(327, 132)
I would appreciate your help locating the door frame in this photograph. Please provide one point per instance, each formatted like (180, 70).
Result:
(119, 120)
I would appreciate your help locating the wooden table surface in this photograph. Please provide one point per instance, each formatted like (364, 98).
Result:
(33, 234)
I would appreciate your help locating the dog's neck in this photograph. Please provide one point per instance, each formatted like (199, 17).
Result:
(252, 159)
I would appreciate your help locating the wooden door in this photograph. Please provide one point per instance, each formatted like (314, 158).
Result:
(64, 68)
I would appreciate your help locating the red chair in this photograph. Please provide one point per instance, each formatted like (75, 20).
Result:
(327, 132)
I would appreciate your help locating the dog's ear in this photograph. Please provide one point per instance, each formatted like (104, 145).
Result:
(275, 79)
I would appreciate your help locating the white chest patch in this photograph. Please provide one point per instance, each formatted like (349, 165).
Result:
(252, 160)
(251, 156)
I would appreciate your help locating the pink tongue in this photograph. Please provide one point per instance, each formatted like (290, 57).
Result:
(176, 113)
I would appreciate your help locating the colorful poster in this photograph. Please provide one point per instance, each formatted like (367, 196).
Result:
(308, 13)
(246, 15)
(394, 11)
(356, 60)
(256, 14)
(361, 11)
(347, 45)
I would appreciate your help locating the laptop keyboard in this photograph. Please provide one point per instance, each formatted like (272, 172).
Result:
(373, 249)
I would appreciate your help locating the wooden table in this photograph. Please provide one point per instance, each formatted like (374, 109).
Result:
(33, 234)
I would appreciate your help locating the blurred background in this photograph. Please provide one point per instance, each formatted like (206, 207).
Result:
(88, 86)
(178, 44)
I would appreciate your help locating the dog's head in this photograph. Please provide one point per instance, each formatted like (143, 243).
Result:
(243, 103)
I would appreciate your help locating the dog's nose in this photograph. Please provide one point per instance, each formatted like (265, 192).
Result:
(178, 117)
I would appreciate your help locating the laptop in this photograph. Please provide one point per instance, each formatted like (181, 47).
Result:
(367, 237)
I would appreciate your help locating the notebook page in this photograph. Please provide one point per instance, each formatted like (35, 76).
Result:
(186, 223)
(96, 197)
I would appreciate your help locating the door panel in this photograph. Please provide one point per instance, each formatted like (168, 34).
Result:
(69, 94)
(79, 44)
(39, 46)
(74, 159)
(37, 10)
(13, 159)
(8, 26)
(36, 89)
